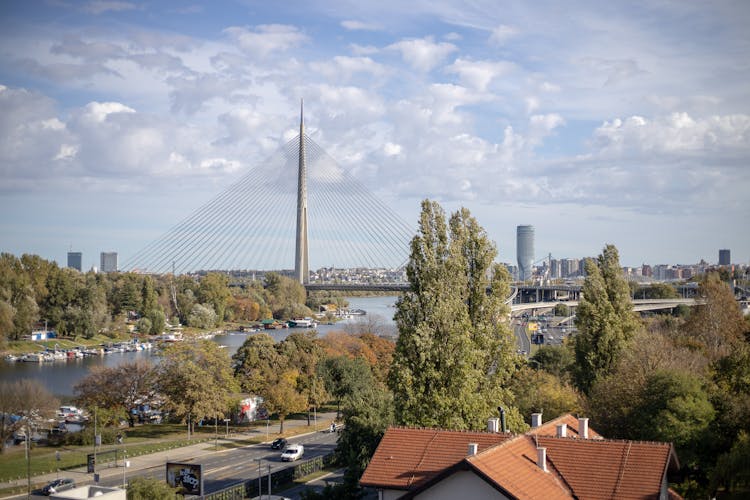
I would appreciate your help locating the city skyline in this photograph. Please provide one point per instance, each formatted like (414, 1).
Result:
(625, 123)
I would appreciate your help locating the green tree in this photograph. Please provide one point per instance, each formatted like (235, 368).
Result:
(202, 316)
(257, 363)
(213, 290)
(344, 376)
(556, 360)
(283, 398)
(537, 391)
(149, 488)
(676, 408)
(196, 380)
(605, 319)
(455, 350)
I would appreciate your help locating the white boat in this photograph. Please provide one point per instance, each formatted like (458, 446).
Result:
(33, 357)
(302, 323)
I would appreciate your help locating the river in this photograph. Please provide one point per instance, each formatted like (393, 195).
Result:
(59, 377)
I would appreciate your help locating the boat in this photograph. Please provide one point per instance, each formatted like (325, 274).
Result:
(33, 357)
(302, 323)
(11, 358)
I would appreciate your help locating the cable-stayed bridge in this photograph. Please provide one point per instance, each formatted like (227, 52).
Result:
(251, 224)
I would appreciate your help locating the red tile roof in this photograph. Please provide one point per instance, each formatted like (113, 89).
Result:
(407, 457)
(597, 469)
(586, 469)
(550, 428)
(512, 467)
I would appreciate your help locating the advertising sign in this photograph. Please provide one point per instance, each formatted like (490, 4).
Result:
(187, 477)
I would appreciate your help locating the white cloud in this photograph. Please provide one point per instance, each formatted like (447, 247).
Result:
(353, 25)
(363, 50)
(99, 111)
(391, 149)
(677, 133)
(97, 7)
(479, 74)
(503, 33)
(423, 54)
(345, 67)
(266, 38)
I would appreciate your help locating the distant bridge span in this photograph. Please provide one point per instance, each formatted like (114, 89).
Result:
(638, 304)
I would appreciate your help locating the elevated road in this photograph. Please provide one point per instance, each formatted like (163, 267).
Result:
(638, 304)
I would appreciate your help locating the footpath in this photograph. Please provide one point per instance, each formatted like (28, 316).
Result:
(158, 459)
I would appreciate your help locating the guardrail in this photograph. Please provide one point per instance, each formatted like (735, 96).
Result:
(279, 479)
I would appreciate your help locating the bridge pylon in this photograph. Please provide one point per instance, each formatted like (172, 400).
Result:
(301, 270)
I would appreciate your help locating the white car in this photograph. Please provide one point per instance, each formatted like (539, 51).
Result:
(293, 452)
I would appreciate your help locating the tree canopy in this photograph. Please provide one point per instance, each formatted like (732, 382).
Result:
(455, 350)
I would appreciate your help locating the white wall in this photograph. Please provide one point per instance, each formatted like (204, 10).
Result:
(462, 484)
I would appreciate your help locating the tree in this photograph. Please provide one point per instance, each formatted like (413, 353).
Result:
(257, 363)
(367, 415)
(675, 408)
(604, 319)
(717, 324)
(344, 376)
(196, 380)
(149, 488)
(455, 350)
(202, 316)
(556, 360)
(27, 399)
(213, 291)
(282, 398)
(121, 388)
(537, 391)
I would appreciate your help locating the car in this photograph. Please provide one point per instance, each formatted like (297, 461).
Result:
(59, 485)
(292, 453)
(279, 444)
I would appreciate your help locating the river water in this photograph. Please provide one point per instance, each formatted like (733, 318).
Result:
(59, 377)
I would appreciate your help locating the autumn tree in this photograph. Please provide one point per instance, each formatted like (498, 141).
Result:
(257, 363)
(25, 398)
(120, 388)
(717, 323)
(605, 319)
(196, 380)
(455, 350)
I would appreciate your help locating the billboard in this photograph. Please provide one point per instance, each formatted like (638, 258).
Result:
(187, 477)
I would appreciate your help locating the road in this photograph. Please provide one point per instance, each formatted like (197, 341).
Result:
(223, 464)
(227, 467)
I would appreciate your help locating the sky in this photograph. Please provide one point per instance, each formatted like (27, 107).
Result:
(623, 122)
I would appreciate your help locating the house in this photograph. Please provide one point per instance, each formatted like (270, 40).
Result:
(562, 459)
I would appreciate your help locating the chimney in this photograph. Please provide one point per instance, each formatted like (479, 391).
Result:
(562, 430)
(493, 424)
(503, 423)
(583, 428)
(473, 447)
(541, 458)
(536, 420)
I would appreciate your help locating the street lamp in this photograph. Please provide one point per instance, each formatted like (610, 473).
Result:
(260, 483)
(125, 465)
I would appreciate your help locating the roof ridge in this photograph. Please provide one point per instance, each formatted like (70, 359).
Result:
(463, 431)
(609, 440)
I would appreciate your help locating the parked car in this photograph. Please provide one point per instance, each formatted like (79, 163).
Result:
(292, 453)
(59, 485)
(279, 444)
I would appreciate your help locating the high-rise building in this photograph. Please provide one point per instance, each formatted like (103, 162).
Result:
(108, 262)
(725, 258)
(525, 251)
(74, 260)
